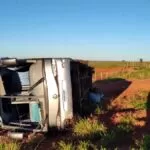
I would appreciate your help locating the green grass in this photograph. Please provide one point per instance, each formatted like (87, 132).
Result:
(143, 73)
(141, 105)
(8, 144)
(113, 64)
(65, 146)
(141, 101)
(98, 110)
(128, 119)
(106, 64)
(140, 73)
(83, 145)
(90, 129)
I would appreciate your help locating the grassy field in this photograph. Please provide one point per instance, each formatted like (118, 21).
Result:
(106, 64)
(113, 64)
(137, 73)
(125, 70)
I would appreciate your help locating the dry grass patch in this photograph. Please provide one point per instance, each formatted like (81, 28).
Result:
(8, 144)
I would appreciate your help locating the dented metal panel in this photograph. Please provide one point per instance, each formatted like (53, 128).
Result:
(53, 95)
(64, 84)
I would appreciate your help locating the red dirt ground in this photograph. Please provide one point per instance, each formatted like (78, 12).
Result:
(118, 95)
(137, 86)
(124, 87)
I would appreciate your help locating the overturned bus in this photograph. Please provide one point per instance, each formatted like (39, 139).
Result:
(36, 94)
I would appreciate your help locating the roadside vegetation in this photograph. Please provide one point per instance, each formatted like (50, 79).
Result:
(85, 128)
(8, 144)
(120, 69)
(106, 126)
(92, 134)
(114, 64)
(137, 73)
(107, 64)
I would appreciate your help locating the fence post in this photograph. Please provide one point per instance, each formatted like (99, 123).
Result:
(101, 76)
(95, 78)
(106, 75)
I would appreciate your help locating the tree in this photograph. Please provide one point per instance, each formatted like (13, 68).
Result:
(141, 60)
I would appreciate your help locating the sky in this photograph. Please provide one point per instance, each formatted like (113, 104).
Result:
(83, 29)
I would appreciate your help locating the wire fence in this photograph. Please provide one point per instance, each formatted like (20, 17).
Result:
(125, 71)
